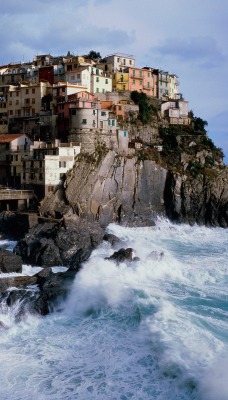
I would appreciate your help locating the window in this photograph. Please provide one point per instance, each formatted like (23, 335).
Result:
(78, 76)
(97, 79)
(140, 74)
(10, 94)
(72, 77)
(103, 90)
(10, 103)
(101, 124)
(33, 101)
(103, 113)
(133, 81)
(148, 85)
(124, 87)
(109, 122)
(62, 164)
(124, 61)
(33, 90)
(133, 72)
(97, 71)
(125, 134)
(73, 111)
(140, 82)
(106, 80)
(94, 122)
(40, 177)
(97, 90)
(118, 60)
(113, 122)
(84, 121)
(27, 91)
(94, 112)
(130, 62)
(148, 74)
(119, 108)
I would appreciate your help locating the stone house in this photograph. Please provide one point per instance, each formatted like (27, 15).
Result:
(53, 159)
(12, 149)
(117, 62)
(176, 111)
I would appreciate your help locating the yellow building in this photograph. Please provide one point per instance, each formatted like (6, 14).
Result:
(120, 81)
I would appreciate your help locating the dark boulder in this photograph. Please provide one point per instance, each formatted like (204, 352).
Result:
(121, 255)
(54, 288)
(112, 239)
(13, 225)
(10, 262)
(68, 243)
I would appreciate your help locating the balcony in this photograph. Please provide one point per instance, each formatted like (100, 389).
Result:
(137, 77)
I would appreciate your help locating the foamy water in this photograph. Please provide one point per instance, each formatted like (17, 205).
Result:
(154, 329)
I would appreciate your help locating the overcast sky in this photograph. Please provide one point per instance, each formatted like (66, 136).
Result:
(185, 37)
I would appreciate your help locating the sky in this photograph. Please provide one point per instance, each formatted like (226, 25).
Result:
(186, 37)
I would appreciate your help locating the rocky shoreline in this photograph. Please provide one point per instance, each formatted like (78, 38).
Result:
(68, 242)
(73, 221)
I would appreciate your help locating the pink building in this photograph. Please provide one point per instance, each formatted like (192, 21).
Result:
(141, 79)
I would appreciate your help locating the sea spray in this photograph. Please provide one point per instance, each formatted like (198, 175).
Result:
(152, 328)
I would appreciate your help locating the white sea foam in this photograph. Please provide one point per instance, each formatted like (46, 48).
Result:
(154, 328)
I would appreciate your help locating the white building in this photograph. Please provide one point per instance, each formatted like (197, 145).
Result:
(95, 80)
(56, 166)
(176, 112)
(119, 61)
(173, 86)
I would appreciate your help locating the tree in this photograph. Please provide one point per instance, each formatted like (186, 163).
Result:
(199, 123)
(93, 55)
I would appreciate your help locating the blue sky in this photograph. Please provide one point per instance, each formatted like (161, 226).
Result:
(188, 38)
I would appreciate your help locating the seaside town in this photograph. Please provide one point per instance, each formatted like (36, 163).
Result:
(53, 108)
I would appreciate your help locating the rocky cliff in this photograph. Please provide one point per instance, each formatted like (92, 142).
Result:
(116, 189)
(134, 191)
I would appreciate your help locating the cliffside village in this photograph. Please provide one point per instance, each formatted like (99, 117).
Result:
(53, 108)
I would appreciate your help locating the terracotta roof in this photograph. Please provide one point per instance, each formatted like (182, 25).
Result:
(9, 137)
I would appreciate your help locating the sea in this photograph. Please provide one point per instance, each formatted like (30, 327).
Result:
(155, 328)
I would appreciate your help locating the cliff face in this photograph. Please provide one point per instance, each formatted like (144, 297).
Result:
(126, 190)
(118, 189)
(202, 200)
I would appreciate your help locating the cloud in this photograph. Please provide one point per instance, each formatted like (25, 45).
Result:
(203, 51)
(54, 29)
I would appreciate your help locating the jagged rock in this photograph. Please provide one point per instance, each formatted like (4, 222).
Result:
(9, 262)
(121, 255)
(66, 243)
(202, 199)
(16, 281)
(13, 225)
(117, 189)
(112, 239)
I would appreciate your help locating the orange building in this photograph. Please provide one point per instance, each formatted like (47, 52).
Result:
(141, 79)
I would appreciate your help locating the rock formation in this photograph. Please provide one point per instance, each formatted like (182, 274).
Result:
(133, 192)
(9, 262)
